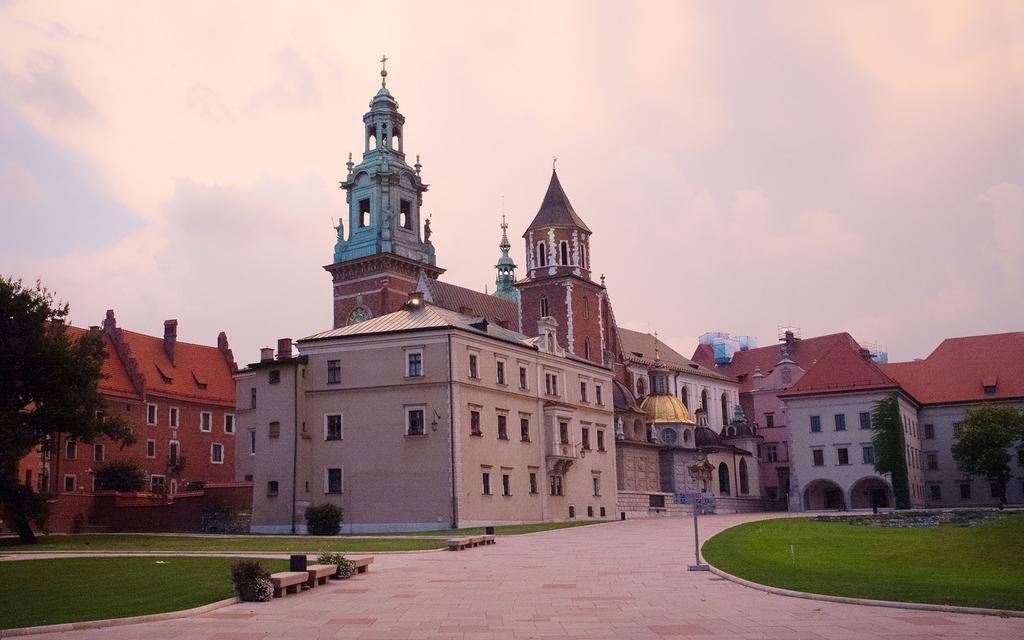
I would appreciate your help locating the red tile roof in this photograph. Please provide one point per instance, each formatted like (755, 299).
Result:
(556, 210)
(470, 302)
(841, 368)
(116, 381)
(959, 368)
(193, 364)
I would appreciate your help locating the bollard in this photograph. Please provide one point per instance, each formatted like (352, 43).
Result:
(489, 531)
(297, 562)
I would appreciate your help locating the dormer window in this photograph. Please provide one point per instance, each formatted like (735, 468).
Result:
(988, 384)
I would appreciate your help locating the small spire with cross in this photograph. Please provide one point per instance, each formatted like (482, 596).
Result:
(384, 71)
(554, 161)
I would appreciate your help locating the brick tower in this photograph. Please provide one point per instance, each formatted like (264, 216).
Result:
(377, 266)
(558, 280)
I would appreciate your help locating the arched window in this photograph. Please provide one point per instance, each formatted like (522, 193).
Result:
(704, 400)
(583, 256)
(744, 481)
(586, 308)
(563, 250)
(641, 386)
(544, 307)
(723, 479)
(542, 254)
(586, 348)
(683, 397)
(725, 411)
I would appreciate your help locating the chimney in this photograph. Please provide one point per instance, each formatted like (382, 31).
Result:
(109, 321)
(284, 349)
(94, 330)
(415, 300)
(170, 338)
(267, 354)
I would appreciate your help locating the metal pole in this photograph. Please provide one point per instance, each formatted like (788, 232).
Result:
(698, 566)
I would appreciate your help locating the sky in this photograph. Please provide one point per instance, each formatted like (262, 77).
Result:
(846, 166)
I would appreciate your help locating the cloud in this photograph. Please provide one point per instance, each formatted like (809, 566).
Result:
(45, 85)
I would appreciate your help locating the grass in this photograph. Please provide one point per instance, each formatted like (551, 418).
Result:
(39, 592)
(980, 566)
(283, 544)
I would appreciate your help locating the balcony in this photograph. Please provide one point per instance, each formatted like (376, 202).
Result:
(176, 463)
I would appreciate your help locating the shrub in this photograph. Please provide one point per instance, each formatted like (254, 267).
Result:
(323, 520)
(195, 485)
(345, 566)
(252, 582)
(120, 475)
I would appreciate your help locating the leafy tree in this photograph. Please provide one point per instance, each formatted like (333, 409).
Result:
(120, 475)
(887, 439)
(983, 445)
(48, 385)
(323, 520)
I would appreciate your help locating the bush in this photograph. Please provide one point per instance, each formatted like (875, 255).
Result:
(345, 566)
(195, 485)
(252, 582)
(120, 475)
(323, 520)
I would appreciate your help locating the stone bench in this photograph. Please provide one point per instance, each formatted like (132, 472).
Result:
(490, 539)
(320, 574)
(288, 582)
(458, 544)
(361, 565)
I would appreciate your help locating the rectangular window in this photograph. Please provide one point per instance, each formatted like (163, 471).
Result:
(840, 420)
(551, 384)
(598, 395)
(600, 439)
(844, 455)
(506, 485)
(533, 482)
(771, 453)
(205, 421)
(957, 428)
(596, 481)
(98, 453)
(586, 438)
(501, 372)
(556, 485)
(474, 371)
(583, 391)
(414, 364)
(818, 457)
(151, 413)
(414, 425)
(474, 423)
(70, 449)
(929, 432)
(229, 423)
(543, 306)
(502, 427)
(332, 480)
(272, 487)
(815, 424)
(156, 484)
(933, 462)
(332, 426)
(935, 491)
(150, 448)
(252, 398)
(274, 430)
(172, 452)
(965, 492)
(364, 212)
(563, 432)
(769, 421)
(334, 372)
(274, 377)
(486, 478)
(69, 483)
(252, 442)
(522, 378)
(995, 490)
(217, 453)
(868, 453)
(173, 417)
(524, 429)
(865, 420)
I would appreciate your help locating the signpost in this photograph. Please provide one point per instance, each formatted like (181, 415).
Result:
(699, 502)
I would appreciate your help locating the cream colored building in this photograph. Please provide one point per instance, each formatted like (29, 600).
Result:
(424, 419)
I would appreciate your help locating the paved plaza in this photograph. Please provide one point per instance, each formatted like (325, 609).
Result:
(619, 580)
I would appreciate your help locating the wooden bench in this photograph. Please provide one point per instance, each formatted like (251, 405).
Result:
(288, 582)
(361, 565)
(320, 574)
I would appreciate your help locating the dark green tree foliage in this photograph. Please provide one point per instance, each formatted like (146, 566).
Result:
(48, 385)
(120, 475)
(890, 448)
(323, 520)
(984, 444)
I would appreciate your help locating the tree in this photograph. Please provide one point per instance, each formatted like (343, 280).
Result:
(48, 385)
(984, 443)
(120, 475)
(890, 448)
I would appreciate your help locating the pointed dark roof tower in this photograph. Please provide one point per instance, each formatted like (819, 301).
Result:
(556, 210)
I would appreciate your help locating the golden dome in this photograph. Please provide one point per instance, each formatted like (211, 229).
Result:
(665, 409)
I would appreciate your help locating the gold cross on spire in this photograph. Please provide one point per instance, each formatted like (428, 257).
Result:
(554, 161)
(383, 70)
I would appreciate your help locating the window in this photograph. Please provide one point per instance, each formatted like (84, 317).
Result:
(844, 455)
(868, 454)
(486, 478)
(217, 453)
(596, 482)
(150, 448)
(274, 377)
(533, 482)
(502, 427)
(70, 450)
(965, 491)
(500, 365)
(252, 398)
(563, 250)
(474, 423)
(414, 425)
(543, 307)
(332, 426)
(586, 308)
(522, 378)
(172, 452)
(865, 420)
(744, 478)
(769, 421)
(771, 453)
(583, 391)
(98, 453)
(69, 483)
(815, 424)
(957, 428)
(205, 421)
(332, 480)
(404, 206)
(556, 485)
(818, 457)
(551, 384)
(524, 429)
(542, 254)
(150, 413)
(840, 420)
(724, 487)
(506, 485)
(563, 432)
(586, 438)
(995, 490)
(229, 423)
(600, 439)
(935, 491)
(274, 429)
(252, 442)
(933, 462)
(929, 433)
(334, 372)
(364, 212)
(473, 370)
(598, 394)
(272, 488)
(173, 417)
(414, 364)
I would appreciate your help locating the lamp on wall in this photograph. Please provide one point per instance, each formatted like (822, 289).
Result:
(433, 423)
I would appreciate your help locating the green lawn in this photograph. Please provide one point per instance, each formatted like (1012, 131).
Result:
(38, 592)
(980, 566)
(284, 544)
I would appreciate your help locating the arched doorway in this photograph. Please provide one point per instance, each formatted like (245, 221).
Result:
(723, 479)
(744, 479)
(824, 495)
(871, 492)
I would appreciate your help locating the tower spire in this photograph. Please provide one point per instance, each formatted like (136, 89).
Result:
(506, 280)
(384, 71)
